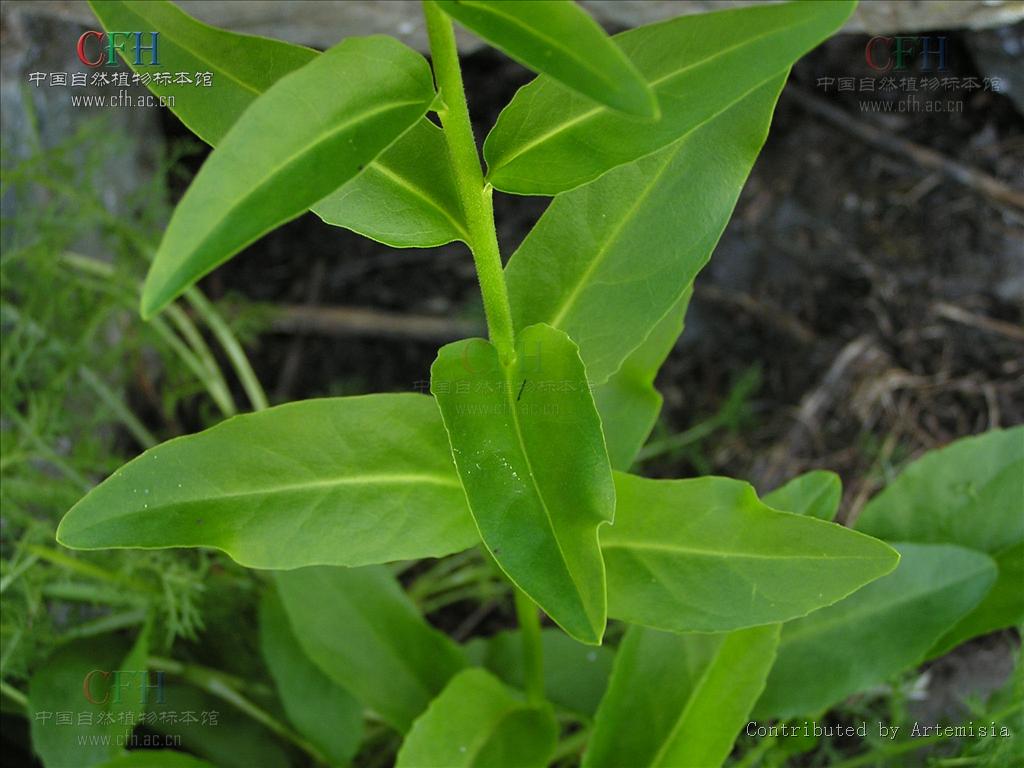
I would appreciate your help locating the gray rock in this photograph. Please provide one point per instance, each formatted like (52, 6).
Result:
(322, 23)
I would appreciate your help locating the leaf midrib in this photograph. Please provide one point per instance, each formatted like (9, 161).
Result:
(417, 191)
(655, 178)
(674, 549)
(391, 650)
(305, 150)
(561, 127)
(810, 629)
(694, 695)
(540, 496)
(178, 41)
(283, 489)
(492, 8)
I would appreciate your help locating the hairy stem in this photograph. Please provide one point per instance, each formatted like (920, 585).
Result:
(479, 211)
(474, 194)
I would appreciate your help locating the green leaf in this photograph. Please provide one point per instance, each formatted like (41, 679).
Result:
(477, 721)
(322, 711)
(359, 627)
(705, 555)
(218, 731)
(607, 262)
(559, 39)
(157, 758)
(968, 493)
(340, 481)
(1003, 606)
(527, 443)
(549, 140)
(575, 675)
(243, 66)
(816, 494)
(406, 197)
(628, 402)
(134, 689)
(57, 687)
(882, 629)
(311, 131)
(680, 700)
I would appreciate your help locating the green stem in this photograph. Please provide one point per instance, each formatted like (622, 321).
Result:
(474, 194)
(571, 745)
(214, 379)
(196, 358)
(138, 430)
(16, 696)
(533, 651)
(228, 341)
(224, 687)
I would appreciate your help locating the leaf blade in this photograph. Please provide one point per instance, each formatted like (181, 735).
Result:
(313, 130)
(766, 566)
(534, 466)
(547, 140)
(575, 675)
(680, 699)
(967, 493)
(607, 262)
(561, 40)
(412, 176)
(58, 683)
(477, 721)
(372, 642)
(320, 709)
(406, 198)
(815, 493)
(628, 401)
(304, 488)
(876, 632)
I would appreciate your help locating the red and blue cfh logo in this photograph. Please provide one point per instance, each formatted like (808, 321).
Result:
(92, 46)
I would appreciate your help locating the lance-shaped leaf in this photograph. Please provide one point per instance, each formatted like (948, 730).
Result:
(679, 700)
(58, 685)
(477, 721)
(549, 140)
(242, 66)
(575, 675)
(814, 493)
(321, 710)
(339, 481)
(605, 263)
(363, 632)
(705, 555)
(559, 39)
(877, 632)
(1002, 606)
(628, 401)
(527, 443)
(406, 197)
(969, 494)
(310, 132)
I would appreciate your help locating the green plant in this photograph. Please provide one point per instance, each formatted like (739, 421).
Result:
(644, 141)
